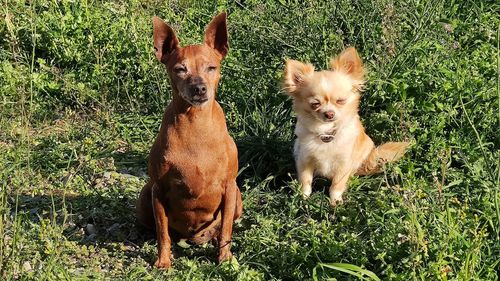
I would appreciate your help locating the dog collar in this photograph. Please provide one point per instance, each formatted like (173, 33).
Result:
(326, 138)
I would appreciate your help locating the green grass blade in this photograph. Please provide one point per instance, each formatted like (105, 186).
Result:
(351, 269)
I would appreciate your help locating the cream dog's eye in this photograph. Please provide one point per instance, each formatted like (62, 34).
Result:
(315, 104)
(211, 68)
(341, 101)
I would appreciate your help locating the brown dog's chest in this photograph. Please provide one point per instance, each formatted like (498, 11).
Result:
(195, 181)
(195, 175)
(197, 159)
(193, 202)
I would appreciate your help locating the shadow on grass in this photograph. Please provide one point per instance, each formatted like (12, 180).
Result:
(106, 219)
(263, 157)
(131, 162)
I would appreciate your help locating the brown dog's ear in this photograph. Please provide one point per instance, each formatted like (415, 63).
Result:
(216, 34)
(295, 74)
(349, 62)
(165, 41)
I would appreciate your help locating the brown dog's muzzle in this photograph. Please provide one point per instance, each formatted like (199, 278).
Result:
(198, 90)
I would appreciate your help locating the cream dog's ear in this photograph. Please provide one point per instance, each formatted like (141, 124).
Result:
(350, 63)
(296, 73)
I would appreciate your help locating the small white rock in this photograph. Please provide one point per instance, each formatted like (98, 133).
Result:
(27, 266)
(106, 175)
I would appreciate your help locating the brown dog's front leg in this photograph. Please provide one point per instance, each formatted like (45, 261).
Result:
(161, 221)
(228, 211)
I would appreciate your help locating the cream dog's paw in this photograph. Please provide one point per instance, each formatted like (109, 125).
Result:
(336, 198)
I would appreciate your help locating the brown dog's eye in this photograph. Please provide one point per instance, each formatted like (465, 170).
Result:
(180, 69)
(341, 101)
(211, 68)
(315, 104)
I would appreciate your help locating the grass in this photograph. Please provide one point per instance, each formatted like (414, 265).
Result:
(82, 97)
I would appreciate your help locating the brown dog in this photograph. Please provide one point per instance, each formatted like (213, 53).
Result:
(192, 192)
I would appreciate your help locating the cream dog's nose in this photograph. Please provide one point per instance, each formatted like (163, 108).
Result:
(330, 114)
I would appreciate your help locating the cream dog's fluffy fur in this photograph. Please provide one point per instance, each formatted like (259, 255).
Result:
(331, 140)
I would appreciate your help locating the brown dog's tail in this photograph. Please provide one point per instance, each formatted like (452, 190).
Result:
(385, 153)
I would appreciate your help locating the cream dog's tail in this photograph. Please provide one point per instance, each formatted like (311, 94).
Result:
(387, 152)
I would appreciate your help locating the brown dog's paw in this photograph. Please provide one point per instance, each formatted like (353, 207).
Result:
(163, 264)
(224, 255)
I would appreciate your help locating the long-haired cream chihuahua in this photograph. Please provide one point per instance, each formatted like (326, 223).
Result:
(331, 140)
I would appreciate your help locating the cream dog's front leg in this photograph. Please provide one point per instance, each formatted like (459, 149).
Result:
(339, 185)
(305, 172)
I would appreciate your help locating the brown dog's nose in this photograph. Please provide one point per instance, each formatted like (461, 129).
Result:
(199, 89)
(330, 114)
